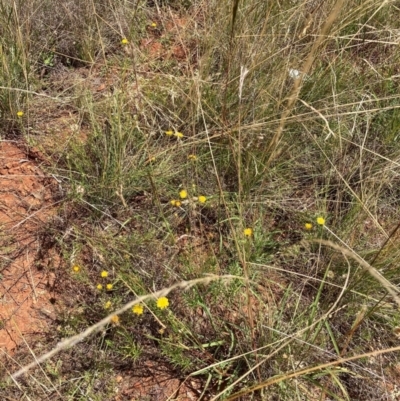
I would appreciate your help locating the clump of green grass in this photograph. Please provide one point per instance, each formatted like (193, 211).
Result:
(15, 69)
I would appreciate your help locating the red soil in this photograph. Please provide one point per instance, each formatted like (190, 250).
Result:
(26, 202)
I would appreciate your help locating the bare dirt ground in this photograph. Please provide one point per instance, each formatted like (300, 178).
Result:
(26, 203)
(156, 383)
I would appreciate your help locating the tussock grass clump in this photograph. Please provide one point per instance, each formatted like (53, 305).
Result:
(255, 140)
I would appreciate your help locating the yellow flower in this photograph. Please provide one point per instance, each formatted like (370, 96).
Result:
(137, 309)
(115, 319)
(178, 134)
(124, 41)
(308, 226)
(20, 113)
(104, 274)
(109, 287)
(320, 221)
(153, 24)
(162, 302)
(248, 232)
(107, 305)
(169, 133)
(175, 203)
(183, 194)
(99, 287)
(192, 157)
(202, 199)
(76, 269)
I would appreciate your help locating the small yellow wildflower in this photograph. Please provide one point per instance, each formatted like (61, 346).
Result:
(320, 221)
(248, 232)
(152, 159)
(183, 194)
(124, 41)
(109, 287)
(107, 305)
(202, 199)
(178, 134)
(104, 274)
(173, 202)
(20, 113)
(178, 204)
(162, 302)
(153, 24)
(115, 319)
(192, 157)
(137, 309)
(76, 269)
(99, 287)
(308, 226)
(169, 133)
